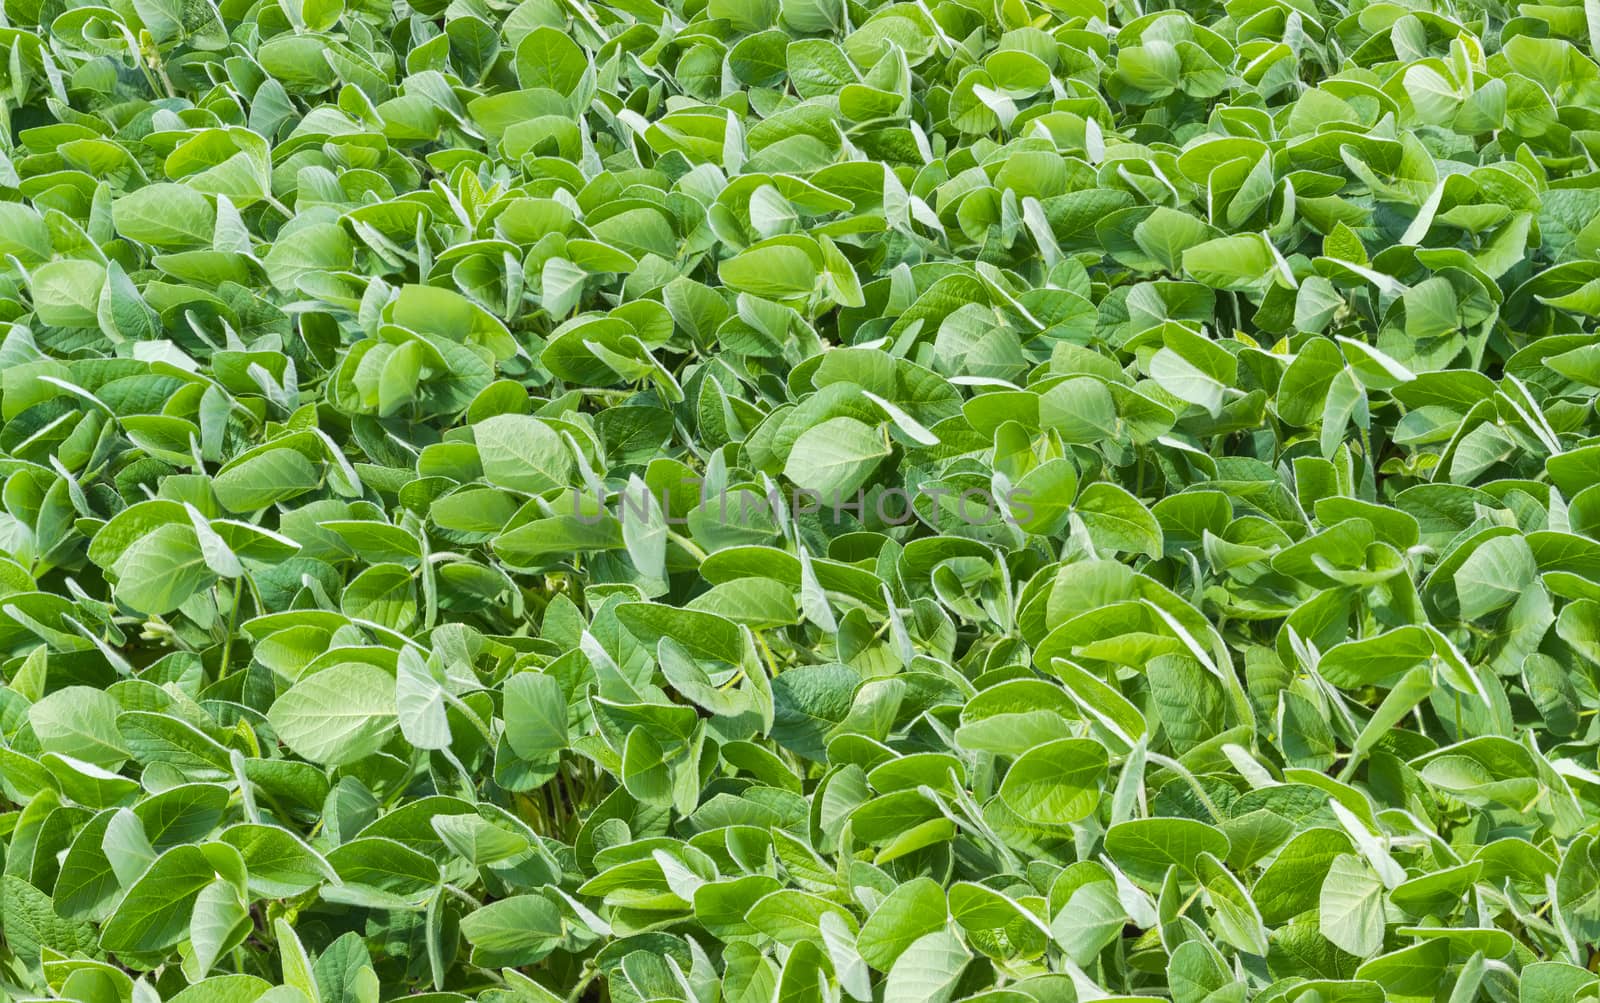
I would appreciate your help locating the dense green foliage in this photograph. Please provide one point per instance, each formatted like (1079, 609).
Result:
(735, 501)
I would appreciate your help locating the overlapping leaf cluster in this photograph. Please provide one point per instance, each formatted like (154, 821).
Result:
(392, 399)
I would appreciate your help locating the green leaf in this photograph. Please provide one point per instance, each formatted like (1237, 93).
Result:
(1080, 410)
(834, 459)
(1494, 575)
(1056, 784)
(1118, 521)
(156, 911)
(779, 268)
(522, 453)
(1375, 659)
(338, 715)
(1146, 847)
(165, 215)
(927, 970)
(520, 930)
(911, 911)
(161, 571)
(80, 721)
(1350, 910)
(219, 924)
(548, 57)
(535, 715)
(1244, 263)
(265, 479)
